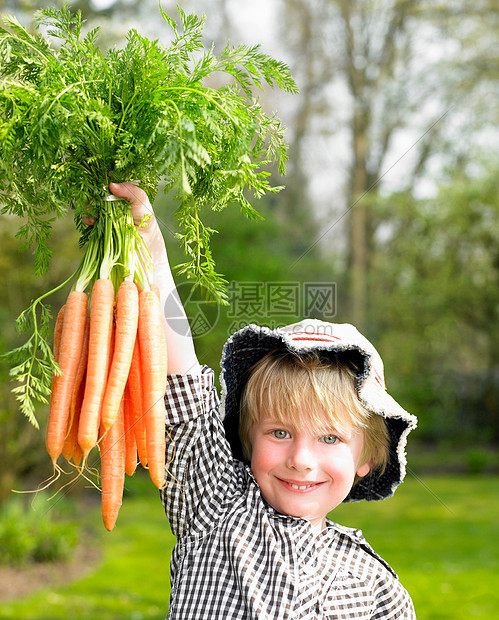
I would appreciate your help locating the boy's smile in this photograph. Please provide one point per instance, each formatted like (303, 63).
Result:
(300, 486)
(302, 473)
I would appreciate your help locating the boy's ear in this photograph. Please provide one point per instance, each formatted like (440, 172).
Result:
(364, 469)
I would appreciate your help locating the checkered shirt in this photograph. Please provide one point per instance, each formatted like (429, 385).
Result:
(238, 558)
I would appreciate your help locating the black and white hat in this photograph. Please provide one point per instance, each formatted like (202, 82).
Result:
(248, 345)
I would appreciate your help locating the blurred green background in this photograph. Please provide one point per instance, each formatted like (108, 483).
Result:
(389, 220)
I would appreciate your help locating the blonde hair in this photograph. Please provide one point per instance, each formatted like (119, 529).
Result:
(283, 383)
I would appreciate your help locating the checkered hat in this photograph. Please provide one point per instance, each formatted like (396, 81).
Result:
(248, 345)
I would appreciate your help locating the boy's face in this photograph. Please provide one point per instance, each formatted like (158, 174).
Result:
(301, 473)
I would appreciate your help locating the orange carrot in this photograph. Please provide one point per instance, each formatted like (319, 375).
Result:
(71, 449)
(155, 289)
(127, 313)
(130, 444)
(99, 346)
(101, 427)
(137, 421)
(112, 449)
(59, 323)
(153, 357)
(70, 441)
(81, 370)
(75, 315)
(77, 452)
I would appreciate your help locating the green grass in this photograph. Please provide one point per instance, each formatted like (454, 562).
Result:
(438, 533)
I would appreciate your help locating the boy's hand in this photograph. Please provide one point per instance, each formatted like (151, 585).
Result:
(150, 231)
(139, 202)
(138, 199)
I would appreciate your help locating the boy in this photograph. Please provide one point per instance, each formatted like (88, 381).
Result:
(305, 424)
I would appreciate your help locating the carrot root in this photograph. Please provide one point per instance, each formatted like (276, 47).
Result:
(70, 348)
(99, 346)
(112, 448)
(153, 357)
(127, 311)
(130, 443)
(137, 421)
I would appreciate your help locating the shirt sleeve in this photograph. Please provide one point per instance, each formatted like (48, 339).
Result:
(200, 473)
(391, 598)
(393, 601)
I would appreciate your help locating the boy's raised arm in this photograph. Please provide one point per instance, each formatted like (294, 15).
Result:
(181, 354)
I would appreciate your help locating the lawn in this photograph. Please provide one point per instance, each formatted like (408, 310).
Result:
(438, 533)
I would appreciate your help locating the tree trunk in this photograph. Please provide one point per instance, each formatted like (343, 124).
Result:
(359, 223)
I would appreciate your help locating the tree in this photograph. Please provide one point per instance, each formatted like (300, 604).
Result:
(435, 283)
(379, 71)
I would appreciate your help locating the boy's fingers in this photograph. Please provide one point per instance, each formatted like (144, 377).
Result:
(139, 202)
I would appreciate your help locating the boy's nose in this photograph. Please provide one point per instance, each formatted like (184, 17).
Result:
(301, 456)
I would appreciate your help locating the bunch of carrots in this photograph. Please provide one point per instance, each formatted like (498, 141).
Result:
(110, 350)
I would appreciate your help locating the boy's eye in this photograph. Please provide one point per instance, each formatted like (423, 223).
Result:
(280, 434)
(330, 439)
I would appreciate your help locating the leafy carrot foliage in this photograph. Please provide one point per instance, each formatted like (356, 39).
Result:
(74, 117)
